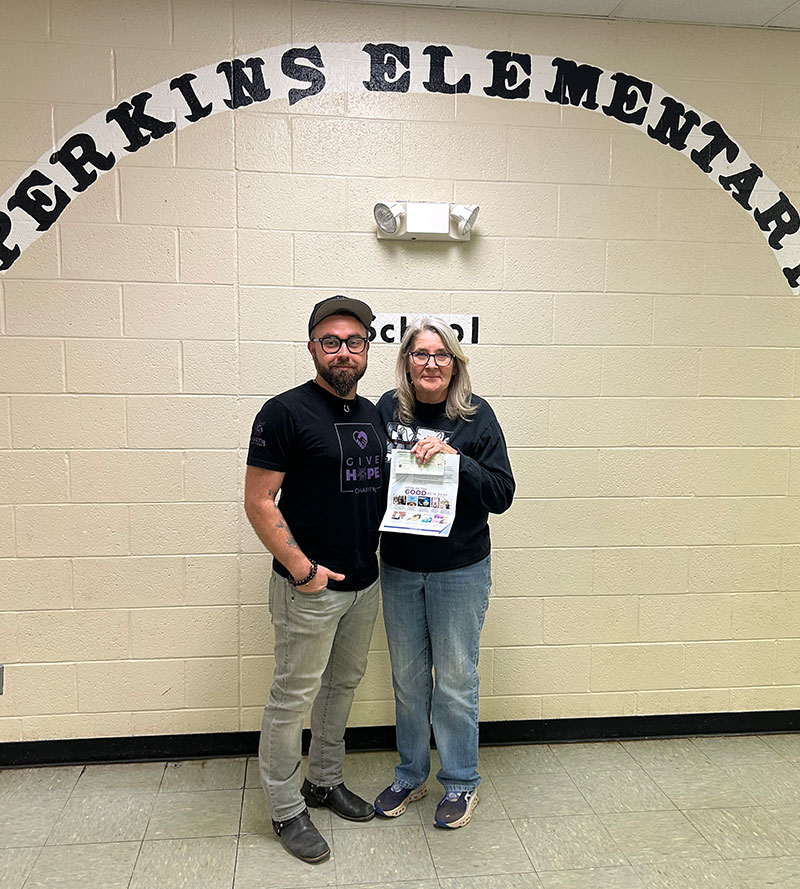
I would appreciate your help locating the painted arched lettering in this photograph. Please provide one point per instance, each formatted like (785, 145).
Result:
(31, 205)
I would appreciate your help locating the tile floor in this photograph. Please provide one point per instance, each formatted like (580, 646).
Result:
(670, 814)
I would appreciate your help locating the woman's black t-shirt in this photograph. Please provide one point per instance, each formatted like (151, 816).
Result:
(485, 484)
(332, 452)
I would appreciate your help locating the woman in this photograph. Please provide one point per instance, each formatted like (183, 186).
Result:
(436, 590)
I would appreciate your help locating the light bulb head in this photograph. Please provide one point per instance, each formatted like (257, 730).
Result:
(465, 216)
(387, 216)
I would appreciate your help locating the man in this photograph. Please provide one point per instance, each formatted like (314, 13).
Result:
(319, 445)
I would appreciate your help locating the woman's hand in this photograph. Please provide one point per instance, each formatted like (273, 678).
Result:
(430, 446)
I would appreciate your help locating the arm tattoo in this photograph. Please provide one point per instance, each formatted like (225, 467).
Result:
(289, 539)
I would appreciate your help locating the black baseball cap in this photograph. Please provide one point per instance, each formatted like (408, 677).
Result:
(340, 305)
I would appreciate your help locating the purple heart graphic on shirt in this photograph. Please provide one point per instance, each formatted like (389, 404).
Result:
(360, 438)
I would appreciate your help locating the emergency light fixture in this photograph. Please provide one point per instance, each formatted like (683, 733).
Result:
(424, 221)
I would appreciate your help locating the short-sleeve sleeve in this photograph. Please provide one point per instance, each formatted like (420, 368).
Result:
(272, 437)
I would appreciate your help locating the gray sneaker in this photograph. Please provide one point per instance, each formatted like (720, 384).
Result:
(393, 801)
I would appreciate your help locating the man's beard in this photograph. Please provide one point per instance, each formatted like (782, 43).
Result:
(341, 378)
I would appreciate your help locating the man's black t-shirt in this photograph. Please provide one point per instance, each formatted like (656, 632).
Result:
(332, 452)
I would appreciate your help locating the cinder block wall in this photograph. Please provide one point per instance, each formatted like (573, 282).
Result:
(639, 344)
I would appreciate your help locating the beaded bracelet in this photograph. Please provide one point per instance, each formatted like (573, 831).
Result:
(311, 575)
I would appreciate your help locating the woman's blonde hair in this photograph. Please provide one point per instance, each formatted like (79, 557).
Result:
(459, 394)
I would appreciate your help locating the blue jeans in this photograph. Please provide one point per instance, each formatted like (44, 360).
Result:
(321, 644)
(433, 624)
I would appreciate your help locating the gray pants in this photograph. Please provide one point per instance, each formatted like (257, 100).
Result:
(321, 644)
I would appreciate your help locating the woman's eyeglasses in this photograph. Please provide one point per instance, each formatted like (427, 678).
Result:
(421, 359)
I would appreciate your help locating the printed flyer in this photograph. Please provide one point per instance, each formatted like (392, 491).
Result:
(422, 496)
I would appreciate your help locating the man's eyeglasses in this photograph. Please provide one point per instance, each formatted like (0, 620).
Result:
(421, 359)
(331, 344)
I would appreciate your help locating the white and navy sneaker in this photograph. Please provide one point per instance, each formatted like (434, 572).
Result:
(393, 801)
(455, 808)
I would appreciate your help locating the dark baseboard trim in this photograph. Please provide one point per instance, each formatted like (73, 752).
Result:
(519, 731)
